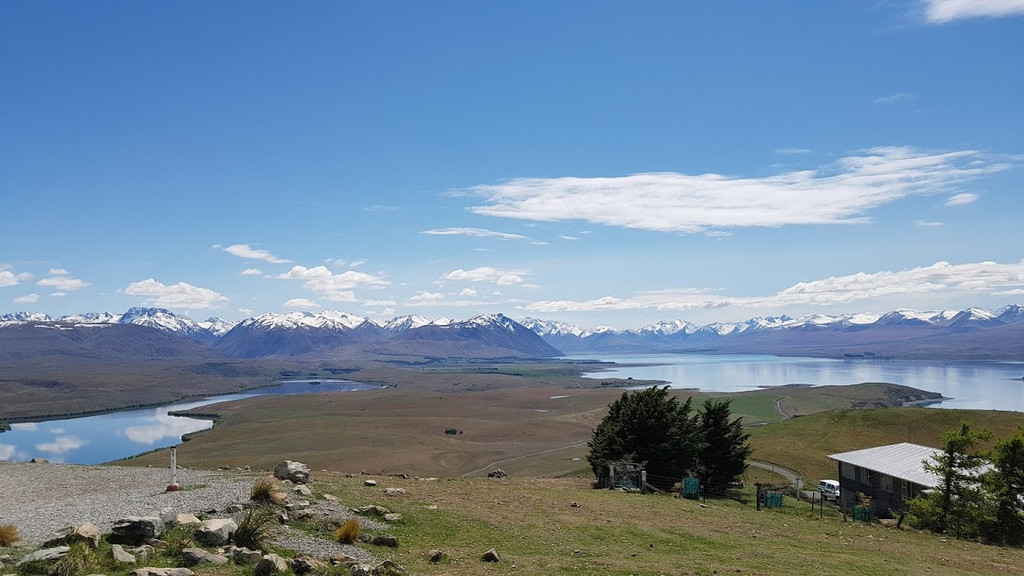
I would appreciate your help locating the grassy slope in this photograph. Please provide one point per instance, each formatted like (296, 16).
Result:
(536, 530)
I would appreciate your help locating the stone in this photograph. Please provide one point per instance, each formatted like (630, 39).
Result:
(491, 556)
(302, 514)
(169, 516)
(188, 519)
(120, 555)
(361, 570)
(151, 571)
(193, 556)
(372, 510)
(88, 533)
(216, 531)
(332, 498)
(393, 491)
(388, 568)
(369, 483)
(392, 517)
(293, 506)
(245, 556)
(143, 552)
(340, 559)
(385, 540)
(302, 490)
(234, 509)
(296, 472)
(304, 563)
(269, 565)
(138, 528)
(497, 473)
(435, 555)
(45, 555)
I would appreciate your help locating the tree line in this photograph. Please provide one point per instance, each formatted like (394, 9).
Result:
(980, 494)
(671, 440)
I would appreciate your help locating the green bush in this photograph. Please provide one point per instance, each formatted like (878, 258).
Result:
(254, 528)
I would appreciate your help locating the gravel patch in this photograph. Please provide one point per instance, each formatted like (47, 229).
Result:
(40, 499)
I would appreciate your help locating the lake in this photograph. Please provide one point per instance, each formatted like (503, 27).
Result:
(114, 435)
(980, 385)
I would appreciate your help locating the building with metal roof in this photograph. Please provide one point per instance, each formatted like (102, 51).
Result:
(888, 475)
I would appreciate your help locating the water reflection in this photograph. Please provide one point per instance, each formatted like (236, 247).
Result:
(976, 385)
(106, 437)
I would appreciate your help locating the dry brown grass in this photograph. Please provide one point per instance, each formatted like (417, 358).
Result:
(348, 532)
(266, 491)
(9, 535)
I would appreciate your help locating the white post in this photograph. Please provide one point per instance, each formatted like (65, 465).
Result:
(174, 470)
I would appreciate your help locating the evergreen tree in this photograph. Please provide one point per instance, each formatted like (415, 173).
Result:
(723, 453)
(648, 427)
(1005, 482)
(958, 498)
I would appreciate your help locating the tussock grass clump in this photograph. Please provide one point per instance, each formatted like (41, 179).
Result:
(9, 535)
(348, 533)
(178, 538)
(266, 491)
(254, 528)
(78, 558)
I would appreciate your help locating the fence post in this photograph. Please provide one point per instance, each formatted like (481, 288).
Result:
(611, 476)
(643, 480)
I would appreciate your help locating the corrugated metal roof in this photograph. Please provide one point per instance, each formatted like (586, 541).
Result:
(903, 460)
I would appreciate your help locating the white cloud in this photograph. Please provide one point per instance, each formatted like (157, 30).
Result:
(7, 451)
(162, 426)
(250, 253)
(426, 298)
(961, 199)
(61, 281)
(8, 278)
(895, 98)
(180, 295)
(357, 263)
(62, 445)
(793, 151)
(672, 202)
(928, 223)
(475, 232)
(27, 299)
(252, 272)
(943, 11)
(942, 277)
(490, 275)
(333, 287)
(467, 292)
(303, 303)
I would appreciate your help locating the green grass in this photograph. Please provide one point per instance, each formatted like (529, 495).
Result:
(757, 408)
(804, 444)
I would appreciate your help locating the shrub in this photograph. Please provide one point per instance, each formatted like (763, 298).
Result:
(254, 528)
(8, 535)
(178, 538)
(348, 532)
(265, 491)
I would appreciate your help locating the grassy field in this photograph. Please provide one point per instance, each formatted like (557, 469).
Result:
(562, 526)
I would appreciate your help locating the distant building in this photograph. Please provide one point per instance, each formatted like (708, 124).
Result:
(891, 475)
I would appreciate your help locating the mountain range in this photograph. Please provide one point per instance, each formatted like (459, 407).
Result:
(966, 334)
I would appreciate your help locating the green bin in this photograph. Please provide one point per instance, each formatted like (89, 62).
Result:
(691, 488)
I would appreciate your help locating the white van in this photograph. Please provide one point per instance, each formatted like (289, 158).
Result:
(829, 489)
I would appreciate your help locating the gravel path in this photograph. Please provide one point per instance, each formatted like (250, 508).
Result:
(40, 499)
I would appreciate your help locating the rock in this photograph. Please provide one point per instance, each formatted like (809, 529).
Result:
(369, 483)
(245, 556)
(234, 508)
(387, 568)
(372, 510)
(169, 516)
(392, 517)
(332, 498)
(384, 540)
(88, 533)
(302, 514)
(151, 571)
(282, 518)
(269, 565)
(497, 473)
(292, 471)
(193, 556)
(293, 506)
(340, 559)
(491, 556)
(302, 490)
(45, 555)
(361, 570)
(155, 543)
(187, 519)
(393, 491)
(304, 563)
(143, 552)
(435, 555)
(39, 461)
(138, 528)
(216, 531)
(120, 555)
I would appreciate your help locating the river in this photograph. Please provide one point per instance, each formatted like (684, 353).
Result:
(978, 385)
(114, 435)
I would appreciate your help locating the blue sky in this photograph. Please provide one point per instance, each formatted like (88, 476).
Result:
(600, 163)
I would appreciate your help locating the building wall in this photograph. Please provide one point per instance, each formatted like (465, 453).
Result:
(889, 495)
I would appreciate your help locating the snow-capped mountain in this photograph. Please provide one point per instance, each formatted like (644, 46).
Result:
(483, 336)
(402, 323)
